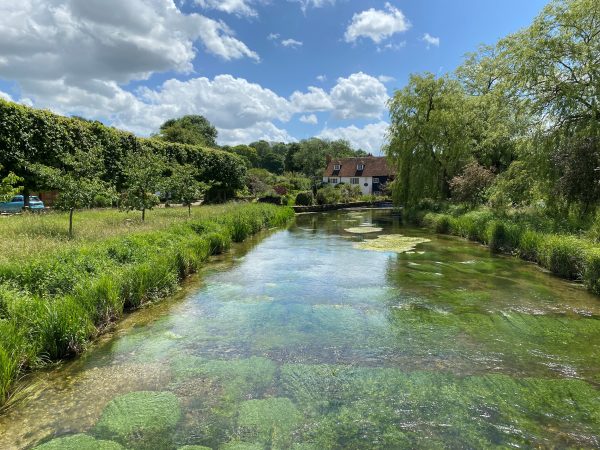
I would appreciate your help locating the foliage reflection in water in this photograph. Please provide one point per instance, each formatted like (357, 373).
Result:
(305, 342)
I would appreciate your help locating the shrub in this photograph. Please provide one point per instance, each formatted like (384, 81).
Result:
(305, 198)
(102, 201)
(472, 185)
(274, 199)
(328, 195)
(428, 204)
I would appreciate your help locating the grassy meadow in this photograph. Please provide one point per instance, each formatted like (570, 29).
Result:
(56, 293)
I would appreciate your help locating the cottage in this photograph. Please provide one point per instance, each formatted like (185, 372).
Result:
(371, 173)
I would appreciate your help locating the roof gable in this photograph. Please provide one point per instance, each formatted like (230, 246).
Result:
(374, 166)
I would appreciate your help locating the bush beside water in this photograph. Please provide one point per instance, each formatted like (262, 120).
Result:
(564, 255)
(52, 304)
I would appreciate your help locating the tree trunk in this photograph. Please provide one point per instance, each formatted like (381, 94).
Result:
(71, 223)
(143, 214)
(26, 198)
(189, 210)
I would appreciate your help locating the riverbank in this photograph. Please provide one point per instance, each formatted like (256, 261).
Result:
(56, 295)
(336, 206)
(565, 255)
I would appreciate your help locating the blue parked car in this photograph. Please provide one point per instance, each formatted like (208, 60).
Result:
(17, 202)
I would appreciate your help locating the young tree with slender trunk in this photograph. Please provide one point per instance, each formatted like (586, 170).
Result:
(143, 172)
(78, 182)
(183, 186)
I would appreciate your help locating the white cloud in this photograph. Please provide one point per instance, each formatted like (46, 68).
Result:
(431, 40)
(5, 96)
(273, 36)
(293, 43)
(306, 4)
(321, 78)
(377, 25)
(226, 101)
(369, 138)
(237, 7)
(315, 100)
(260, 131)
(81, 42)
(359, 95)
(385, 79)
(392, 46)
(309, 118)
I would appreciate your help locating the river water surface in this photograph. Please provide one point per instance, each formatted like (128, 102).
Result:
(299, 340)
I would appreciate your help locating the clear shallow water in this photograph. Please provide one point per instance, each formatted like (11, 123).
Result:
(299, 340)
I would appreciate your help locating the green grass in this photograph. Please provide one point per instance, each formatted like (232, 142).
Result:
(57, 294)
(563, 254)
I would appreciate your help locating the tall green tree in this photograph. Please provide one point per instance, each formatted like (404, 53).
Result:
(191, 129)
(554, 66)
(143, 171)
(429, 136)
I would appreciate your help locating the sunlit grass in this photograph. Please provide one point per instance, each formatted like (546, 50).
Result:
(29, 235)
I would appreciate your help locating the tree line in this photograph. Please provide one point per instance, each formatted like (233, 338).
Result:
(517, 124)
(92, 164)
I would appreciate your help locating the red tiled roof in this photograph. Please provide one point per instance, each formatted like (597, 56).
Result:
(375, 166)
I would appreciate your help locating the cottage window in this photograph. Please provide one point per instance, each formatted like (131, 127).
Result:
(337, 167)
(333, 180)
(375, 180)
(354, 180)
(360, 167)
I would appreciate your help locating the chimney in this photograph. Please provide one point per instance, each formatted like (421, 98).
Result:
(328, 159)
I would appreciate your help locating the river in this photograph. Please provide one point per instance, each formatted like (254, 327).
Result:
(297, 339)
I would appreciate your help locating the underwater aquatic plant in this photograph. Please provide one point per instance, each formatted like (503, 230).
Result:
(139, 418)
(79, 442)
(271, 421)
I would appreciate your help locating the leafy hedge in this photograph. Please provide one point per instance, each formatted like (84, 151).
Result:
(32, 136)
(54, 304)
(564, 255)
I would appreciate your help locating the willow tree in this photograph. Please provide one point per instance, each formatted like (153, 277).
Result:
(554, 66)
(429, 141)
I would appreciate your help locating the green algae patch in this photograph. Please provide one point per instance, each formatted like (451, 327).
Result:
(241, 446)
(194, 447)
(79, 442)
(237, 377)
(140, 419)
(271, 421)
(363, 230)
(363, 407)
(391, 243)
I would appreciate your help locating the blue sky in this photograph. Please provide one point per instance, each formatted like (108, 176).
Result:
(278, 69)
